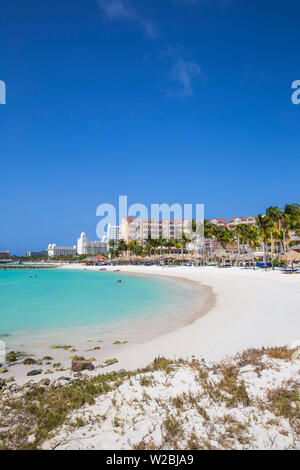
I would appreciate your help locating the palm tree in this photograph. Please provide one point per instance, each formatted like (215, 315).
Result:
(262, 227)
(162, 243)
(208, 234)
(253, 239)
(183, 242)
(112, 244)
(265, 226)
(170, 243)
(150, 244)
(240, 234)
(122, 246)
(290, 220)
(223, 236)
(274, 215)
(133, 246)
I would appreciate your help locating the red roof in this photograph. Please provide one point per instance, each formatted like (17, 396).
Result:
(218, 220)
(242, 218)
(99, 257)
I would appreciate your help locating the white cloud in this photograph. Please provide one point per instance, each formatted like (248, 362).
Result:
(123, 10)
(184, 72)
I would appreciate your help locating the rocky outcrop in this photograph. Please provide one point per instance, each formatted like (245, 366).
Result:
(79, 365)
(44, 382)
(29, 361)
(33, 372)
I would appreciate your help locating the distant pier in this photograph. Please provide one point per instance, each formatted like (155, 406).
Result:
(4, 267)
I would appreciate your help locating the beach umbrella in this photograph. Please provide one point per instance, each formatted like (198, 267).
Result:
(135, 258)
(290, 256)
(248, 257)
(221, 254)
(89, 260)
(233, 256)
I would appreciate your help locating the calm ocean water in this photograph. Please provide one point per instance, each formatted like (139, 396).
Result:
(67, 302)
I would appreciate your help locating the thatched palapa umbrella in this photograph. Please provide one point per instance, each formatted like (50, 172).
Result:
(248, 257)
(148, 259)
(220, 254)
(290, 257)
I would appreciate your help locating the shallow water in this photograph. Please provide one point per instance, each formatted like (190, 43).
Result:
(66, 305)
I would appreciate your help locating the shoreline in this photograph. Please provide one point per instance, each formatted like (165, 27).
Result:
(101, 345)
(250, 309)
(207, 305)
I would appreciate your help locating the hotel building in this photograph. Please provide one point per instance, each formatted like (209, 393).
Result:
(86, 247)
(55, 251)
(143, 229)
(4, 255)
(218, 222)
(36, 254)
(113, 233)
(232, 223)
(295, 238)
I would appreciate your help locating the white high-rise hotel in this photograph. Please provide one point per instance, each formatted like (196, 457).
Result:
(113, 232)
(85, 247)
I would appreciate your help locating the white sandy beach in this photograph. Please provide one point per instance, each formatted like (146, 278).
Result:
(253, 308)
(248, 308)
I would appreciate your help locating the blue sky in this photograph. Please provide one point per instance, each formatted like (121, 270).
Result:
(183, 101)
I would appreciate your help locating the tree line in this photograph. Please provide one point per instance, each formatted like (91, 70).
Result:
(272, 232)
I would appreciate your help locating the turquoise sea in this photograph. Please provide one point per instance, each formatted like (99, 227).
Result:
(69, 302)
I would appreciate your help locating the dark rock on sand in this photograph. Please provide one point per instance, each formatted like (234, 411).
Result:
(33, 372)
(29, 361)
(45, 382)
(78, 365)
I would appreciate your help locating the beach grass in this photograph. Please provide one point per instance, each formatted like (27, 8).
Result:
(42, 411)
